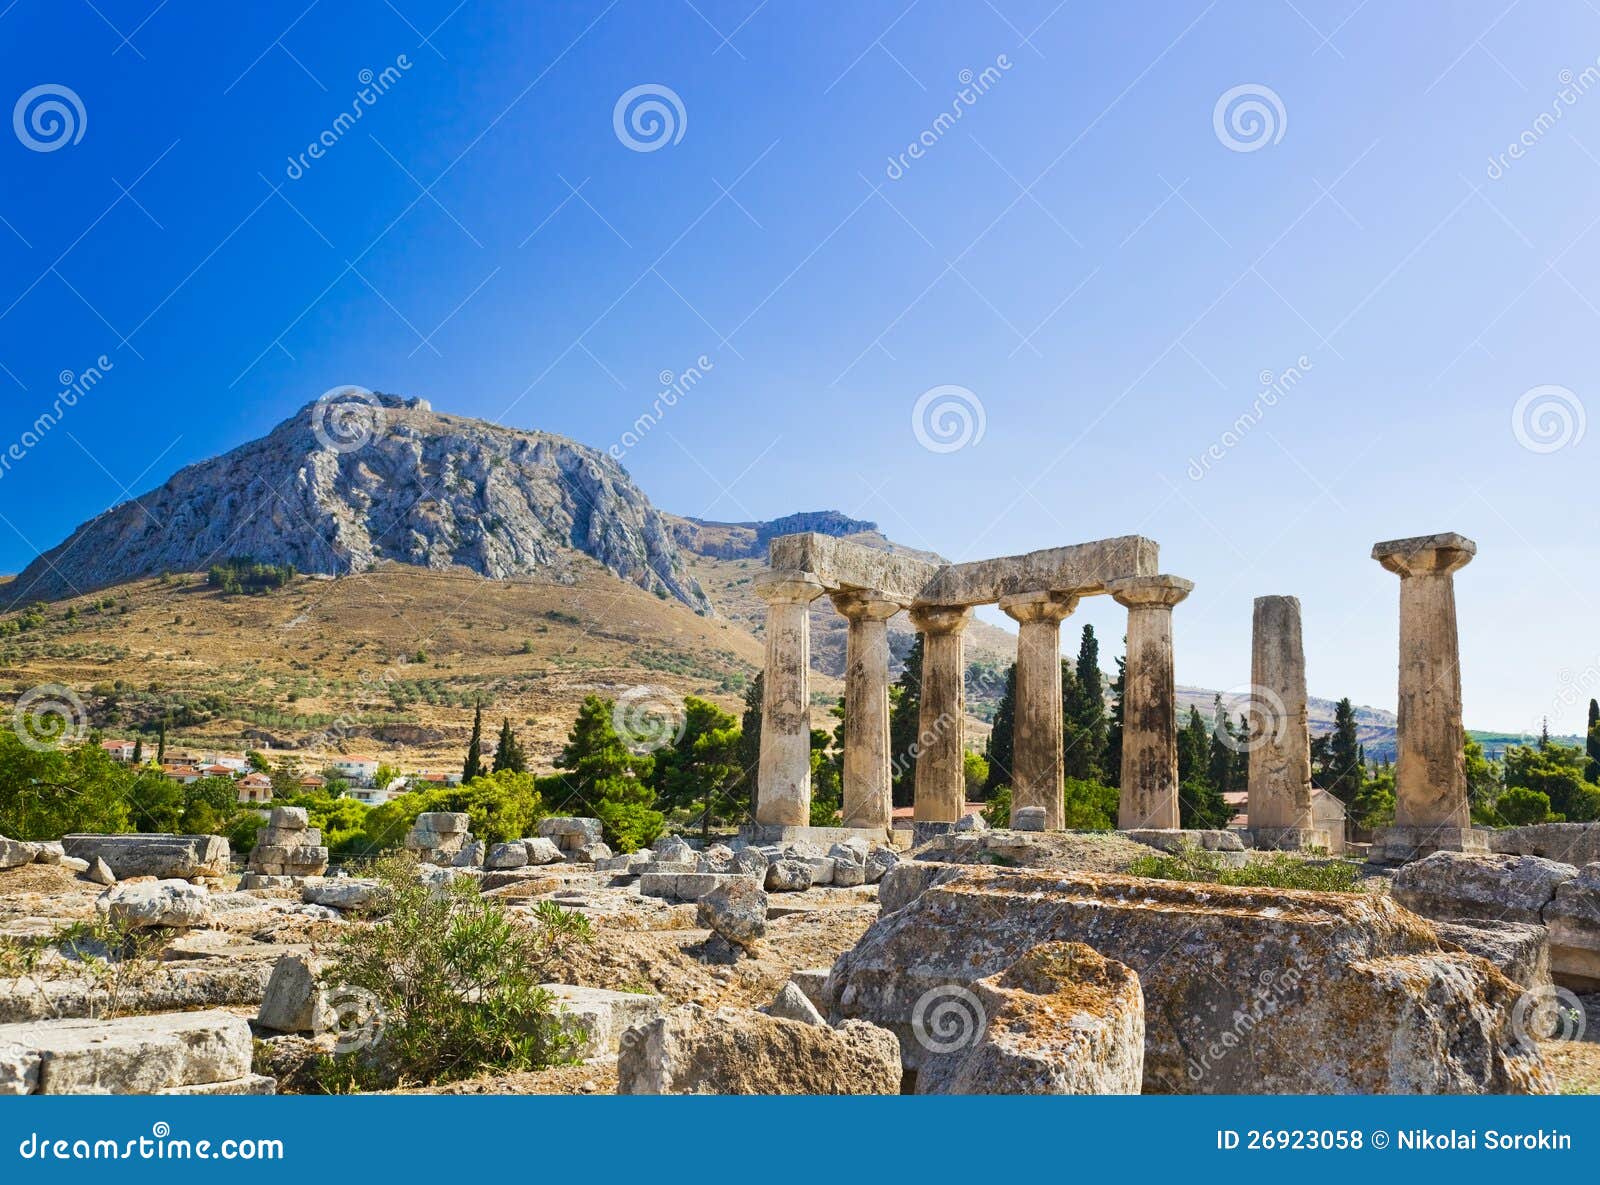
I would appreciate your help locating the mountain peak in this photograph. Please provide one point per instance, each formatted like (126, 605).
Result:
(358, 478)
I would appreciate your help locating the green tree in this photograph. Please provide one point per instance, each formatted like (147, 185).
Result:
(827, 789)
(508, 753)
(1344, 775)
(155, 801)
(1557, 771)
(975, 770)
(701, 768)
(750, 744)
(613, 784)
(503, 805)
(473, 766)
(1112, 764)
(905, 709)
(999, 749)
(1592, 742)
(1521, 807)
(1194, 747)
(44, 794)
(1088, 805)
(1223, 751)
(1374, 803)
(1083, 713)
(1201, 805)
(1483, 779)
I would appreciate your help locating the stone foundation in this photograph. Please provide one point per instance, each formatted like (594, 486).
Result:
(1401, 845)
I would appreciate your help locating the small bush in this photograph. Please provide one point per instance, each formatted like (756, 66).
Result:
(1277, 871)
(454, 981)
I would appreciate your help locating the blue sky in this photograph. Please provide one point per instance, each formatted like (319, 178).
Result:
(1103, 262)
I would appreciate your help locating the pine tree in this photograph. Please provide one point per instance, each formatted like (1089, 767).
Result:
(473, 768)
(138, 751)
(1194, 747)
(905, 710)
(608, 781)
(1344, 754)
(1000, 749)
(1592, 745)
(1220, 755)
(701, 768)
(508, 753)
(1083, 711)
(161, 742)
(1544, 735)
(1111, 766)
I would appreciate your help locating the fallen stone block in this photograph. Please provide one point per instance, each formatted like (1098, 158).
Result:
(505, 856)
(975, 822)
(586, 853)
(686, 886)
(14, 853)
(1519, 950)
(443, 822)
(100, 872)
(751, 862)
(294, 1001)
(146, 904)
(250, 1084)
(717, 858)
(881, 860)
(627, 864)
(131, 1055)
(1060, 1020)
(1023, 818)
(694, 1051)
(1458, 886)
(1569, 843)
(670, 849)
(1233, 978)
(344, 893)
(162, 856)
(571, 832)
(788, 876)
(822, 869)
(737, 910)
(72, 864)
(542, 851)
(793, 1004)
(600, 1017)
(1574, 922)
(810, 980)
(471, 855)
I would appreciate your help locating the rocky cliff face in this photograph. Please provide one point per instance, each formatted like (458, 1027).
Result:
(339, 489)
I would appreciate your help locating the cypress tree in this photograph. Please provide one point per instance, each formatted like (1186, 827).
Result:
(508, 753)
(161, 741)
(1111, 765)
(1083, 711)
(138, 751)
(904, 712)
(473, 768)
(750, 742)
(1194, 745)
(1592, 745)
(1219, 753)
(1001, 747)
(1344, 754)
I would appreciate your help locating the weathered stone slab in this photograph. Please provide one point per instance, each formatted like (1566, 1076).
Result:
(147, 904)
(737, 910)
(1574, 922)
(694, 1051)
(251, 1084)
(1060, 1020)
(14, 853)
(1247, 990)
(602, 1017)
(793, 1004)
(294, 1001)
(343, 893)
(505, 856)
(687, 886)
(569, 831)
(1570, 843)
(1457, 886)
(132, 1055)
(841, 564)
(1519, 950)
(158, 855)
(1082, 568)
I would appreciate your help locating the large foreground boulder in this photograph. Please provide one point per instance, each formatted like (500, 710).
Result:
(1247, 990)
(1574, 922)
(1060, 1020)
(162, 856)
(132, 1055)
(693, 1051)
(1459, 886)
(737, 910)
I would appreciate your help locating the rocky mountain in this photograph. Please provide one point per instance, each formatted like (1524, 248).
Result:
(349, 483)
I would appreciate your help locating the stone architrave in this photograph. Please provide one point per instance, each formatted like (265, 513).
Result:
(1149, 703)
(784, 779)
(1280, 749)
(868, 800)
(1036, 760)
(941, 724)
(1432, 812)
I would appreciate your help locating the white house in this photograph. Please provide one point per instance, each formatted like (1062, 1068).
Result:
(372, 795)
(358, 771)
(119, 750)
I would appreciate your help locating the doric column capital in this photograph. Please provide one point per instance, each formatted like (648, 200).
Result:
(1149, 592)
(1437, 555)
(859, 605)
(941, 619)
(1038, 606)
(791, 588)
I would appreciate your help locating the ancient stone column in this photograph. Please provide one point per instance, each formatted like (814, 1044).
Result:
(941, 792)
(1431, 808)
(1279, 745)
(784, 781)
(1036, 758)
(1149, 703)
(867, 797)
